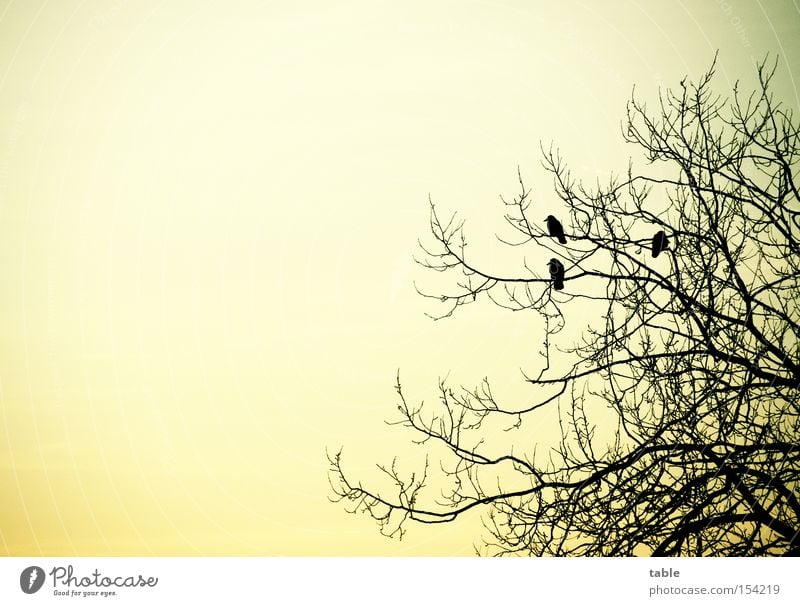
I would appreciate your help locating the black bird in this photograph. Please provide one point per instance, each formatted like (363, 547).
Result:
(555, 229)
(659, 244)
(556, 273)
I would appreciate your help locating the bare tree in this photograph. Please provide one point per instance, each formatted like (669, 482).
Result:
(679, 411)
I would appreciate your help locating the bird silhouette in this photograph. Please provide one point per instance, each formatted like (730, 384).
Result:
(659, 244)
(555, 229)
(556, 273)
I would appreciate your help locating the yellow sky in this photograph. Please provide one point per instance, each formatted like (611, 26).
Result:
(208, 212)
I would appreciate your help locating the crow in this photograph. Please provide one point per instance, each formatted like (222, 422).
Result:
(555, 229)
(556, 273)
(659, 244)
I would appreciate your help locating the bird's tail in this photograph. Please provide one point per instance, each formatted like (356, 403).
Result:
(558, 284)
(562, 239)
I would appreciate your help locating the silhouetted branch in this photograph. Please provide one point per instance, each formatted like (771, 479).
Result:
(693, 268)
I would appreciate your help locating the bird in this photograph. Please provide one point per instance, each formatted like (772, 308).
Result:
(555, 229)
(659, 244)
(556, 273)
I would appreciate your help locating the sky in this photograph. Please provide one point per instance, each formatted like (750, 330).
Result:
(208, 217)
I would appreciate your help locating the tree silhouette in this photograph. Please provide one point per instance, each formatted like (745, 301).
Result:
(679, 410)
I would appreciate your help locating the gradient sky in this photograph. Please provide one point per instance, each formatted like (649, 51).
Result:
(208, 211)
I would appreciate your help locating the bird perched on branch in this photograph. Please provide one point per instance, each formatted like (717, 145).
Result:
(555, 229)
(556, 273)
(659, 244)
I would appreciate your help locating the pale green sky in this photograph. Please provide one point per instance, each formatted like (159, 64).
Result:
(207, 217)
